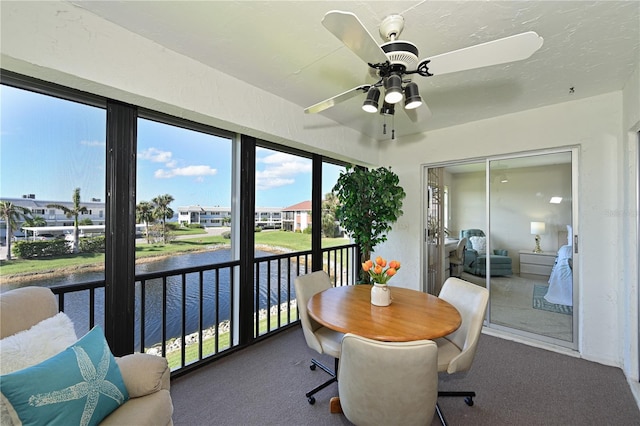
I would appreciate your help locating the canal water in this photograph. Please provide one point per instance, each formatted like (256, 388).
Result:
(76, 305)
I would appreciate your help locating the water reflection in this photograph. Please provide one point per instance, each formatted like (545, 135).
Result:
(216, 294)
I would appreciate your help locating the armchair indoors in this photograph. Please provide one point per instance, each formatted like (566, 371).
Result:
(475, 256)
(35, 338)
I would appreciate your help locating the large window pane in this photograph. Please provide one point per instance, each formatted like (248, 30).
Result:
(52, 189)
(52, 173)
(283, 194)
(184, 212)
(331, 229)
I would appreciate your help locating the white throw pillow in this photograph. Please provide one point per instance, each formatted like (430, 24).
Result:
(42, 341)
(479, 244)
(30, 347)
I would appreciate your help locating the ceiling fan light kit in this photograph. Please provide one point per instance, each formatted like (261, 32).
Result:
(395, 62)
(412, 99)
(371, 102)
(387, 109)
(393, 89)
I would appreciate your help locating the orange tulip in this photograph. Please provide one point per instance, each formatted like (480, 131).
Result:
(391, 272)
(377, 269)
(380, 261)
(367, 265)
(394, 264)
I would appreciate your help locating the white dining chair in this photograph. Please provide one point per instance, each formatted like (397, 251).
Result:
(457, 350)
(388, 383)
(319, 338)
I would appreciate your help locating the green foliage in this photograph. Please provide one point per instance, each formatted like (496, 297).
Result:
(174, 226)
(196, 226)
(74, 213)
(226, 235)
(370, 202)
(307, 230)
(330, 204)
(31, 249)
(93, 244)
(85, 221)
(257, 229)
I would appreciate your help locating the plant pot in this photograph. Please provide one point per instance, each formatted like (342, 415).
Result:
(380, 295)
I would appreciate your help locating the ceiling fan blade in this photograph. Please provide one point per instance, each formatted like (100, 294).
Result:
(347, 28)
(328, 103)
(422, 113)
(508, 49)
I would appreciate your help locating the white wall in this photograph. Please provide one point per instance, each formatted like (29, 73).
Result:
(628, 262)
(58, 42)
(593, 124)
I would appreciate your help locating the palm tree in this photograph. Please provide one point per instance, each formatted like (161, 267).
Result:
(163, 212)
(74, 212)
(11, 214)
(145, 214)
(32, 222)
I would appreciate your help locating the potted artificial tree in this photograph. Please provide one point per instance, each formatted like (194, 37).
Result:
(370, 201)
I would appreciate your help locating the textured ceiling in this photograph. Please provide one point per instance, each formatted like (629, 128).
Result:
(282, 47)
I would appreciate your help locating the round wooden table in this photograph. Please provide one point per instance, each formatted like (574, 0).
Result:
(412, 315)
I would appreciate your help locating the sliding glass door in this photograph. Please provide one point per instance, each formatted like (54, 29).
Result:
(516, 216)
(531, 253)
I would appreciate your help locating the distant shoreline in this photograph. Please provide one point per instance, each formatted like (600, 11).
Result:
(92, 267)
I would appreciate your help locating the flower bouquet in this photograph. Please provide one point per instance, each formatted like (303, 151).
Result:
(377, 271)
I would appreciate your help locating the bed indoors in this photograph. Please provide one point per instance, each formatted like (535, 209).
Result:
(561, 280)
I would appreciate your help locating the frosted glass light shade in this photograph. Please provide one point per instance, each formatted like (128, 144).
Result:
(537, 228)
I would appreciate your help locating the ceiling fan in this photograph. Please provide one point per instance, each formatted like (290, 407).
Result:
(395, 62)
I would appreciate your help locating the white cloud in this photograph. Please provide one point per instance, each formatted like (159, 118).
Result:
(157, 156)
(198, 171)
(263, 183)
(280, 170)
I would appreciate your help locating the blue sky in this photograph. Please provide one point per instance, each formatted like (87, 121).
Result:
(49, 146)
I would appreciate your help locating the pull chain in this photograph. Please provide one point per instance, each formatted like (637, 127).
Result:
(393, 127)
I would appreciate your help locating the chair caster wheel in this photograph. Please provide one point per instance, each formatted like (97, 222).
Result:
(312, 400)
(312, 367)
(469, 401)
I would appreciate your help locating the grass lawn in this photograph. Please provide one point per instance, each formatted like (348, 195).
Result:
(208, 346)
(289, 240)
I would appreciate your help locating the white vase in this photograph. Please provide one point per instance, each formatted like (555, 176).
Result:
(380, 295)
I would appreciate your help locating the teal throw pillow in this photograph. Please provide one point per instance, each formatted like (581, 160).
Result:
(79, 386)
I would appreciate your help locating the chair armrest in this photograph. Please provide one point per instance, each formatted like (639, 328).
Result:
(144, 374)
(501, 252)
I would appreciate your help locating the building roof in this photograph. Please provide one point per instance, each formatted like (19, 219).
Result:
(303, 206)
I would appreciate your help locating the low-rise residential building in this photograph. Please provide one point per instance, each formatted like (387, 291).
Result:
(297, 217)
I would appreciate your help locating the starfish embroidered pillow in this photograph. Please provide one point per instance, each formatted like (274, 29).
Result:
(80, 386)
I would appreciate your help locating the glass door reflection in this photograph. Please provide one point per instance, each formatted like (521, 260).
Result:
(529, 253)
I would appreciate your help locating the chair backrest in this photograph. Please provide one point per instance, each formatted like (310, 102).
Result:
(459, 252)
(471, 301)
(386, 383)
(468, 233)
(22, 308)
(306, 286)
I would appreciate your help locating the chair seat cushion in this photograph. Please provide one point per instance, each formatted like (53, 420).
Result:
(446, 352)
(330, 340)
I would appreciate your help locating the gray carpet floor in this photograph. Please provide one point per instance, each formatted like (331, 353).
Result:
(511, 306)
(515, 384)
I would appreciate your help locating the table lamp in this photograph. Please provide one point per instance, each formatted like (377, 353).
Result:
(537, 228)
